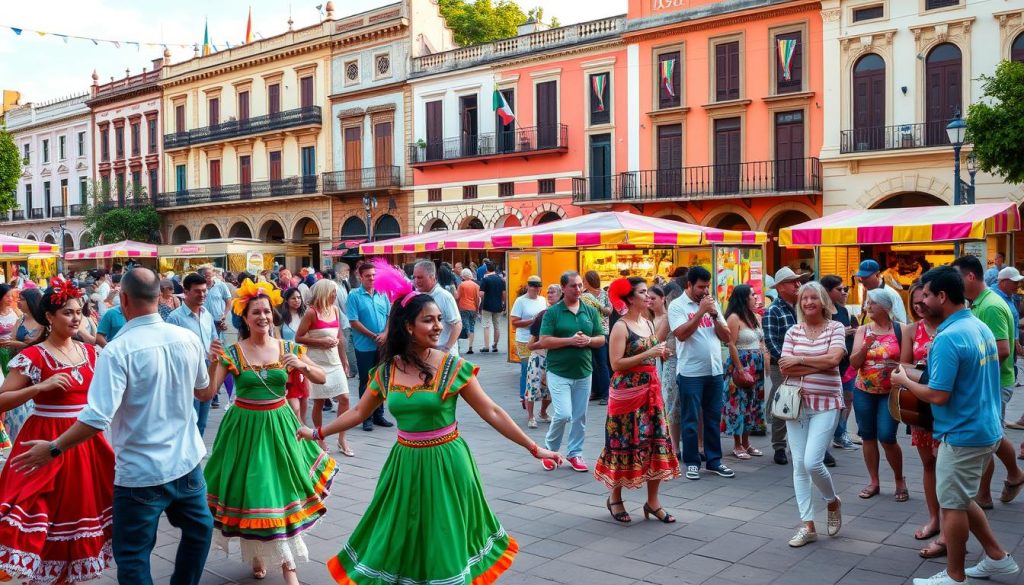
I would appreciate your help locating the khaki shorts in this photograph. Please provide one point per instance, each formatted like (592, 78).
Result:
(958, 473)
(490, 320)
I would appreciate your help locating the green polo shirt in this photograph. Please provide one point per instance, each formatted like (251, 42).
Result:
(559, 321)
(992, 311)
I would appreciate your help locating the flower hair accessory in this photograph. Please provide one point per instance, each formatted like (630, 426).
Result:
(62, 290)
(618, 290)
(250, 290)
(392, 282)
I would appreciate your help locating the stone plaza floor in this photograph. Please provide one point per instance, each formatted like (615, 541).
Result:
(729, 531)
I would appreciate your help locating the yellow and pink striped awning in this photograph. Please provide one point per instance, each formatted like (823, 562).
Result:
(125, 249)
(854, 227)
(413, 244)
(13, 245)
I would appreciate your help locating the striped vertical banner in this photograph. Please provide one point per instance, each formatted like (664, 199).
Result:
(667, 68)
(786, 49)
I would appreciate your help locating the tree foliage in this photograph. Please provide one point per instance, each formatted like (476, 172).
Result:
(10, 171)
(996, 124)
(482, 21)
(107, 223)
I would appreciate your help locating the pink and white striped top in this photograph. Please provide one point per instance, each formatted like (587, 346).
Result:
(821, 390)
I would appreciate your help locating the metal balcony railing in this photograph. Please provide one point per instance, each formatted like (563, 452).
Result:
(57, 211)
(362, 179)
(310, 115)
(18, 215)
(306, 185)
(748, 179)
(900, 137)
(77, 209)
(36, 213)
(512, 141)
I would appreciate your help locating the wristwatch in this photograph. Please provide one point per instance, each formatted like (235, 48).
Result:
(55, 451)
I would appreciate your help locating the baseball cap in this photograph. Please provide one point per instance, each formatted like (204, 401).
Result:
(867, 268)
(1010, 273)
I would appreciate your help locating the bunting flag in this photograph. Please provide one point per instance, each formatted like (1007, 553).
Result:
(502, 108)
(248, 28)
(598, 83)
(17, 31)
(787, 47)
(95, 41)
(206, 38)
(668, 66)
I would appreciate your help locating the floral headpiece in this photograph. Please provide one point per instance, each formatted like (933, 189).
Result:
(250, 290)
(63, 290)
(392, 282)
(618, 290)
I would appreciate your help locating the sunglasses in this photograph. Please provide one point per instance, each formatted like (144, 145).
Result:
(534, 284)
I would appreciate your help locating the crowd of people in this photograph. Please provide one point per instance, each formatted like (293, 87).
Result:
(144, 357)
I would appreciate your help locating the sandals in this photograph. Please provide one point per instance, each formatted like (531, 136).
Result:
(934, 550)
(345, 450)
(660, 514)
(259, 573)
(902, 495)
(622, 516)
(918, 535)
(869, 492)
(1011, 491)
(740, 453)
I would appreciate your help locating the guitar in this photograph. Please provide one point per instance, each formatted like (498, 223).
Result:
(906, 407)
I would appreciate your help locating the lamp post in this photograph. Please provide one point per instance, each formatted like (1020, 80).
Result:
(955, 130)
(972, 170)
(58, 233)
(369, 204)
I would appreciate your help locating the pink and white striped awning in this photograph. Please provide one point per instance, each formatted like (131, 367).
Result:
(125, 249)
(13, 245)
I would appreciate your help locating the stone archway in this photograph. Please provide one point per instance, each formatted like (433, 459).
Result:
(354, 228)
(548, 217)
(49, 239)
(543, 211)
(386, 228)
(240, 230)
(508, 217)
(31, 237)
(472, 223)
(307, 231)
(432, 219)
(69, 242)
(731, 221)
(509, 220)
(438, 225)
(210, 231)
(180, 235)
(909, 199)
(676, 214)
(718, 217)
(272, 231)
(779, 256)
(911, 182)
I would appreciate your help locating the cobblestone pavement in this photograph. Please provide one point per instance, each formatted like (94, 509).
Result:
(729, 531)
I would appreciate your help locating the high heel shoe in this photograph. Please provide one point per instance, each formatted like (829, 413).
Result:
(622, 516)
(664, 517)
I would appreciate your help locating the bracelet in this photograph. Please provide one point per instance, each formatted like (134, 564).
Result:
(317, 436)
(533, 449)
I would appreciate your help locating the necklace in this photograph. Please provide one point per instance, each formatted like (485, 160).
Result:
(66, 360)
(262, 373)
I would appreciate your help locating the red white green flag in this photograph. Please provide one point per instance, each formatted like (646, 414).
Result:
(598, 83)
(502, 108)
(667, 68)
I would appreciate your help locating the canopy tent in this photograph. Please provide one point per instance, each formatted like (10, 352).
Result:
(344, 248)
(413, 244)
(854, 227)
(615, 228)
(125, 249)
(476, 239)
(21, 246)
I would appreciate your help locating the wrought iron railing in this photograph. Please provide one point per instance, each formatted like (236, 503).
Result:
(759, 178)
(36, 213)
(512, 141)
(18, 215)
(306, 185)
(362, 179)
(77, 209)
(57, 211)
(899, 137)
(238, 128)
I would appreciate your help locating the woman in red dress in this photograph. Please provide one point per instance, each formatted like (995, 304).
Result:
(55, 522)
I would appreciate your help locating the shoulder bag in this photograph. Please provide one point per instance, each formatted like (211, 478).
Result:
(788, 400)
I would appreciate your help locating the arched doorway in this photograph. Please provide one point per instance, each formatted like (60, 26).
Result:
(49, 239)
(438, 225)
(943, 95)
(180, 235)
(732, 221)
(69, 242)
(386, 228)
(240, 230)
(909, 199)
(548, 217)
(209, 232)
(1017, 49)
(780, 256)
(509, 221)
(472, 223)
(307, 232)
(272, 231)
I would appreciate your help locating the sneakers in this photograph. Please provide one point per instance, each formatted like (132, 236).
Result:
(845, 443)
(989, 568)
(532, 423)
(829, 460)
(578, 464)
(548, 464)
(835, 519)
(802, 537)
(940, 578)
(544, 419)
(692, 472)
(780, 457)
(722, 471)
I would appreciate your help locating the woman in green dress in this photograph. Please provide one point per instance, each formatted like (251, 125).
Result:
(263, 487)
(428, 522)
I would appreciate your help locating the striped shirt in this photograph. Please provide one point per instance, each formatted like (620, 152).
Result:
(822, 390)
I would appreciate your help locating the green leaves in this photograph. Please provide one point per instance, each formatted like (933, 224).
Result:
(108, 223)
(10, 171)
(482, 21)
(996, 124)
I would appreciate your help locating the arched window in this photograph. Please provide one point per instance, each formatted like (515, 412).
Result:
(868, 104)
(386, 228)
(943, 91)
(1017, 49)
(353, 229)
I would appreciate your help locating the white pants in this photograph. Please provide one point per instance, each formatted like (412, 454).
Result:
(809, 437)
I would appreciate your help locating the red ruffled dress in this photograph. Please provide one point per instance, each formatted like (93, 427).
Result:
(56, 524)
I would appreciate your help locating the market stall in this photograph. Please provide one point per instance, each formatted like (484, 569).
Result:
(39, 259)
(233, 255)
(904, 241)
(107, 254)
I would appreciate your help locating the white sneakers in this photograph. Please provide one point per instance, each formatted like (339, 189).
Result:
(803, 536)
(983, 570)
(940, 578)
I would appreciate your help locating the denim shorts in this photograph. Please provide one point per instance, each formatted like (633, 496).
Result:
(873, 419)
(468, 320)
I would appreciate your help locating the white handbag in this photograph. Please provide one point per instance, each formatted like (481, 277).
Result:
(787, 401)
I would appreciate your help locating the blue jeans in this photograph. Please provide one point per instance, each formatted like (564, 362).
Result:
(365, 361)
(848, 388)
(601, 379)
(137, 515)
(873, 419)
(569, 404)
(203, 412)
(700, 397)
(523, 364)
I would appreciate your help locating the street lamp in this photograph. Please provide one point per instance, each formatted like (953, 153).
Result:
(369, 204)
(956, 130)
(972, 169)
(58, 233)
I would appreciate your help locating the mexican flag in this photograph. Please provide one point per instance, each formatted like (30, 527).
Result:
(502, 108)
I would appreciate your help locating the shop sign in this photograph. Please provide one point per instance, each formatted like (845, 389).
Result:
(190, 249)
(254, 262)
(976, 248)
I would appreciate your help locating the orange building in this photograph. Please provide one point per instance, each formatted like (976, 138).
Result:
(724, 125)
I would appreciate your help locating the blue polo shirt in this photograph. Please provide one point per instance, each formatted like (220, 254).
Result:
(964, 361)
(111, 323)
(372, 312)
(1013, 310)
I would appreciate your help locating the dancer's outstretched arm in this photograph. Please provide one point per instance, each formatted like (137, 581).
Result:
(496, 416)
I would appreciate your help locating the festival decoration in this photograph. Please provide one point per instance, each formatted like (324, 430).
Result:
(787, 48)
(668, 67)
(250, 290)
(392, 282)
(598, 83)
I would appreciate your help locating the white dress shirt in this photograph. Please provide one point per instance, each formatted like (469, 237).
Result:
(701, 354)
(142, 390)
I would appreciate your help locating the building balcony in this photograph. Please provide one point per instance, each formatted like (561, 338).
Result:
(36, 213)
(58, 211)
(18, 215)
(800, 176)
(288, 119)
(527, 141)
(900, 137)
(77, 209)
(370, 178)
(306, 185)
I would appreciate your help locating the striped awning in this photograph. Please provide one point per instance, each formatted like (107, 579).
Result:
(413, 244)
(13, 245)
(125, 249)
(907, 225)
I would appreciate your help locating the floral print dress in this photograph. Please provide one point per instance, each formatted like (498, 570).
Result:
(743, 408)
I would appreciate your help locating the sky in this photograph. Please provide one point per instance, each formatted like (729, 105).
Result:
(46, 68)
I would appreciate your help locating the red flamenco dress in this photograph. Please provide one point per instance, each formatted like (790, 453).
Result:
(56, 524)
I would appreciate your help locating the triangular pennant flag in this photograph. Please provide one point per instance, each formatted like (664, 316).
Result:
(206, 38)
(64, 38)
(116, 44)
(16, 31)
(94, 41)
(248, 28)
(40, 33)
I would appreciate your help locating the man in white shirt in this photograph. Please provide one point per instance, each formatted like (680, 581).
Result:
(524, 310)
(697, 323)
(424, 278)
(142, 391)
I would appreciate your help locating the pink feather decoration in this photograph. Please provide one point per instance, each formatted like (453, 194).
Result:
(390, 280)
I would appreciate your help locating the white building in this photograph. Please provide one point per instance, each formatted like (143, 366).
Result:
(55, 141)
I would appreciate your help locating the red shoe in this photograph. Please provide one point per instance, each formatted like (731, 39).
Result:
(578, 464)
(548, 464)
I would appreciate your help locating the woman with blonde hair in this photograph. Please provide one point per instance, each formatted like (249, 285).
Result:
(320, 331)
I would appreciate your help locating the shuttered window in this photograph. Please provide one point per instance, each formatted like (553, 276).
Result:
(727, 71)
